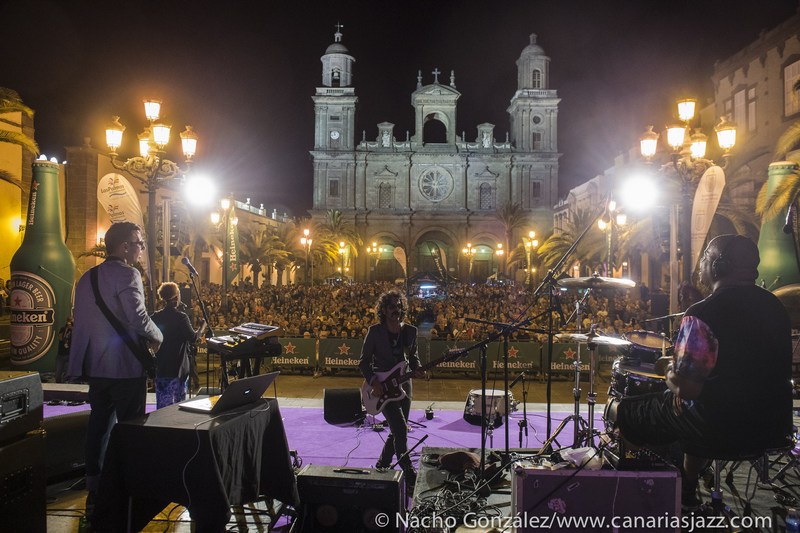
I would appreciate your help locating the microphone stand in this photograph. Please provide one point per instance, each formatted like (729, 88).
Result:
(523, 424)
(210, 331)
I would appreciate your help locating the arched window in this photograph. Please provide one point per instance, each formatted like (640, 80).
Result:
(486, 196)
(336, 77)
(537, 79)
(384, 196)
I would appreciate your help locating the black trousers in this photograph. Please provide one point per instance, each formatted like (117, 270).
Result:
(396, 414)
(651, 419)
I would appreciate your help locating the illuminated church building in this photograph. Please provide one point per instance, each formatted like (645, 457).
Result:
(430, 191)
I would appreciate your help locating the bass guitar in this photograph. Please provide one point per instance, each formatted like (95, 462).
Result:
(393, 379)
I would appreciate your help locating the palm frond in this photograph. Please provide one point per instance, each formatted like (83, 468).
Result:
(788, 141)
(778, 201)
(20, 139)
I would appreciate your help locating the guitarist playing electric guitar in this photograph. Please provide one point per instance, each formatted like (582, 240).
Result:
(388, 343)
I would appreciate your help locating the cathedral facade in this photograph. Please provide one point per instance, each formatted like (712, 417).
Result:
(424, 197)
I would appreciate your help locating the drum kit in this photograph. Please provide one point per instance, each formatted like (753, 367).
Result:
(633, 373)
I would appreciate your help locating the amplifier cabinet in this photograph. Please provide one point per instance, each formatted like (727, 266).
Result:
(350, 499)
(643, 500)
(21, 408)
(23, 504)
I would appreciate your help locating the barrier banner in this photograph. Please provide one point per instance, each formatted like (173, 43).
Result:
(297, 352)
(339, 353)
(564, 354)
(521, 356)
(467, 363)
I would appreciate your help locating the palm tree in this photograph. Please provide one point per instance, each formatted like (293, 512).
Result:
(786, 192)
(336, 229)
(261, 247)
(512, 217)
(10, 102)
(590, 249)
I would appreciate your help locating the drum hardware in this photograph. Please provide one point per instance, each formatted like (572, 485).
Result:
(648, 346)
(596, 282)
(523, 424)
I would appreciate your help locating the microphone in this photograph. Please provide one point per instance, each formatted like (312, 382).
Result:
(188, 264)
(516, 379)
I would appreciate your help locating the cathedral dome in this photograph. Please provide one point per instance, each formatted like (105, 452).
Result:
(533, 48)
(337, 48)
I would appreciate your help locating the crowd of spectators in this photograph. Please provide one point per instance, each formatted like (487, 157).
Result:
(347, 310)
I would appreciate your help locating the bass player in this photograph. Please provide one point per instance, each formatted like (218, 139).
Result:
(388, 343)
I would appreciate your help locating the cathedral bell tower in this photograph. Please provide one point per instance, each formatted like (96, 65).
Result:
(534, 107)
(334, 129)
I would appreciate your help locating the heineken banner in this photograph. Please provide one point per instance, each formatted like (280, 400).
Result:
(521, 356)
(564, 355)
(297, 352)
(232, 245)
(339, 353)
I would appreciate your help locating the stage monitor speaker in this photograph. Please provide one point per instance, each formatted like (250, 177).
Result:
(342, 406)
(634, 496)
(350, 499)
(66, 445)
(23, 504)
(20, 404)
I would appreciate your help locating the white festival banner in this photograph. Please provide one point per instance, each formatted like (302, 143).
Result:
(119, 199)
(706, 200)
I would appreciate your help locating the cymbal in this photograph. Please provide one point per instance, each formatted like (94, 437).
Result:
(596, 282)
(583, 338)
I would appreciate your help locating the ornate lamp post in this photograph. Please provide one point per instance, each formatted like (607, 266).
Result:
(151, 167)
(306, 241)
(611, 219)
(530, 247)
(499, 253)
(223, 218)
(342, 251)
(469, 253)
(689, 162)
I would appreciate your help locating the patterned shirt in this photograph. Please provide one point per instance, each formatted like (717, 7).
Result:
(696, 350)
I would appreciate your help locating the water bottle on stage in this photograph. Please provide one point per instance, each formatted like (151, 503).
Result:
(42, 276)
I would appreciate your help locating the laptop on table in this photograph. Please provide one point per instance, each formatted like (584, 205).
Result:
(238, 393)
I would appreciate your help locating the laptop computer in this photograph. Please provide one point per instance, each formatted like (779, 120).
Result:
(238, 393)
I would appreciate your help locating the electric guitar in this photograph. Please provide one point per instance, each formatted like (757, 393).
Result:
(393, 379)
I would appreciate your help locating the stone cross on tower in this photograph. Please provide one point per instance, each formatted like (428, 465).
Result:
(436, 73)
(338, 34)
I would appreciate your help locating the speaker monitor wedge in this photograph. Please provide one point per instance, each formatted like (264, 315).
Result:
(342, 406)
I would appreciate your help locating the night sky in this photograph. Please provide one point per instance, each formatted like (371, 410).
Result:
(243, 73)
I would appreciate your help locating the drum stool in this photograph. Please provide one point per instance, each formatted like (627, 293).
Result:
(759, 460)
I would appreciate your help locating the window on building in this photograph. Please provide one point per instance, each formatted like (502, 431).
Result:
(740, 109)
(384, 196)
(791, 96)
(751, 109)
(335, 118)
(536, 191)
(537, 140)
(336, 77)
(537, 79)
(333, 188)
(486, 196)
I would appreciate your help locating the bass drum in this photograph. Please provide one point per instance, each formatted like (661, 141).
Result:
(495, 406)
(647, 346)
(630, 380)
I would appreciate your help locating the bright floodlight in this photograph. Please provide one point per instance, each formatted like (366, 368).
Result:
(200, 190)
(638, 193)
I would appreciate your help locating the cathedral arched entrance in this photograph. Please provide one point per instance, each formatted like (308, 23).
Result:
(435, 253)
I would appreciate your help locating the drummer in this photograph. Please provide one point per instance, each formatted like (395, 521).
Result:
(729, 389)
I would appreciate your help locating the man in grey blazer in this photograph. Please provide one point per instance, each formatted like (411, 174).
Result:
(117, 380)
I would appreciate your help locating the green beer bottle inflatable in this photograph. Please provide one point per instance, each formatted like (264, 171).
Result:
(42, 276)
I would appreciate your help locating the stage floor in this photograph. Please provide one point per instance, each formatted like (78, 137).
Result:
(317, 442)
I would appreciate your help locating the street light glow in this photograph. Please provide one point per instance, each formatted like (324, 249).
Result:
(196, 183)
(638, 193)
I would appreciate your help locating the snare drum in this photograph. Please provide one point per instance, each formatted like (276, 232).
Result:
(495, 406)
(647, 346)
(628, 380)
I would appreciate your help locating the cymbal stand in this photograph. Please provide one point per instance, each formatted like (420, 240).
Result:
(592, 395)
(209, 331)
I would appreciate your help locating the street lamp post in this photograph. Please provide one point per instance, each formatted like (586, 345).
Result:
(306, 241)
(151, 167)
(530, 246)
(469, 253)
(611, 219)
(222, 217)
(499, 253)
(689, 162)
(342, 250)
(374, 251)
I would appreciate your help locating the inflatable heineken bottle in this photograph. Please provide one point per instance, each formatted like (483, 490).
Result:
(42, 276)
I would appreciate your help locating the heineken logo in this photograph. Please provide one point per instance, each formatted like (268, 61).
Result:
(32, 325)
